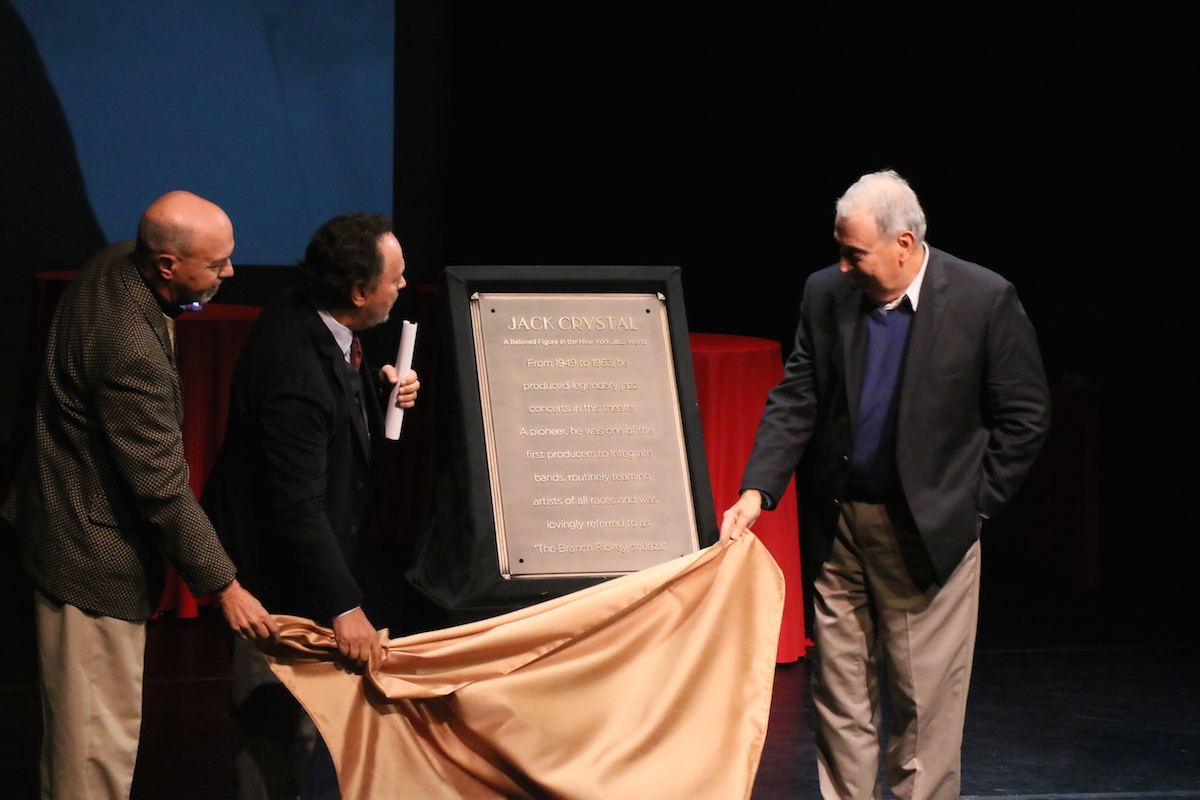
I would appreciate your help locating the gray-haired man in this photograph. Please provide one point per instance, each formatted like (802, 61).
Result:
(916, 395)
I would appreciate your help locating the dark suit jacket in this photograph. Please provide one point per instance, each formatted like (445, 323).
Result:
(973, 410)
(103, 493)
(292, 484)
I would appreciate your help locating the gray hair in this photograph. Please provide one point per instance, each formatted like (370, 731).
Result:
(889, 200)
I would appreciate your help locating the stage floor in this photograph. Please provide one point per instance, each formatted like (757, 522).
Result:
(1079, 722)
(1041, 724)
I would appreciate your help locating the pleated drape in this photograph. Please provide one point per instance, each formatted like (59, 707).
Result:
(654, 686)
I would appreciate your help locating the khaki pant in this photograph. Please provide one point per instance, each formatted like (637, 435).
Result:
(877, 598)
(91, 669)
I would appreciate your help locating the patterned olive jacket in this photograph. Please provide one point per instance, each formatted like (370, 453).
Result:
(102, 496)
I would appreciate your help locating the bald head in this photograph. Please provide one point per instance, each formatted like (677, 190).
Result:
(171, 222)
(184, 244)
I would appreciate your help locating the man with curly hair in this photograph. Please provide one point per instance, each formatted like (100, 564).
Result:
(294, 480)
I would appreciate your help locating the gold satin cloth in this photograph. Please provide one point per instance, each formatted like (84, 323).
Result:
(653, 686)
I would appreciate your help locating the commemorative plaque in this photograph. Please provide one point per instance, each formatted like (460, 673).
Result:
(584, 437)
(569, 442)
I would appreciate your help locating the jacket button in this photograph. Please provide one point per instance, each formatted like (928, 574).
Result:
(358, 486)
(353, 530)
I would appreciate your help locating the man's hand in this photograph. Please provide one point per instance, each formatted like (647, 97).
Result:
(407, 396)
(741, 515)
(245, 614)
(357, 638)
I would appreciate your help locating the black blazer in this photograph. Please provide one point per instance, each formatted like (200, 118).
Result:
(293, 482)
(974, 405)
(103, 496)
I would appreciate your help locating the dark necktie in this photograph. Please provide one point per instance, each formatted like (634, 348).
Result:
(356, 382)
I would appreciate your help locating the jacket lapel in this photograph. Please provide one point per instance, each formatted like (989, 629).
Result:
(926, 321)
(849, 323)
(136, 288)
(330, 351)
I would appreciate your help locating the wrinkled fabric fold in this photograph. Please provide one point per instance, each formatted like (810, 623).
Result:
(654, 686)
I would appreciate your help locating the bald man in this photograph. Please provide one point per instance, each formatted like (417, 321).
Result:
(103, 497)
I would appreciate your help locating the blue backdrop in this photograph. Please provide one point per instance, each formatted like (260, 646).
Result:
(280, 111)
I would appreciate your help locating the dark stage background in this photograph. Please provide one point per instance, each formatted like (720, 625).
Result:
(1048, 146)
(1044, 144)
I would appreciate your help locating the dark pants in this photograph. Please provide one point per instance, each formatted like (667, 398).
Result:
(273, 737)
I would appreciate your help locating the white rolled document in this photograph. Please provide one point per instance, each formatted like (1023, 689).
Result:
(395, 416)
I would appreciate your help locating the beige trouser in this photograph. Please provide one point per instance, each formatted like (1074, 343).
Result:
(877, 597)
(91, 668)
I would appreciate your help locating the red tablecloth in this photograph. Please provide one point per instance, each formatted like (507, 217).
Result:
(208, 342)
(733, 376)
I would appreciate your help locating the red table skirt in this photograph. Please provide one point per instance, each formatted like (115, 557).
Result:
(208, 342)
(733, 376)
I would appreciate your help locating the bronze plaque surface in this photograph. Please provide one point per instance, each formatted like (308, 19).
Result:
(585, 444)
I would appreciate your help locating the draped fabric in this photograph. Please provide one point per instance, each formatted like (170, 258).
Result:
(653, 686)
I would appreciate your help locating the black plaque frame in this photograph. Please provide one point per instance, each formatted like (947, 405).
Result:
(456, 564)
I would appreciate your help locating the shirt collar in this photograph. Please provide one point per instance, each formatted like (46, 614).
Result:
(913, 292)
(341, 334)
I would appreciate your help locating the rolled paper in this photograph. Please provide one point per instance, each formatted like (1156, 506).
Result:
(395, 415)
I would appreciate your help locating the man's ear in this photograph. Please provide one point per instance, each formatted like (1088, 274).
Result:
(165, 264)
(358, 296)
(908, 244)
